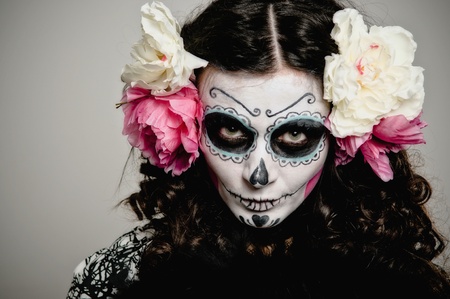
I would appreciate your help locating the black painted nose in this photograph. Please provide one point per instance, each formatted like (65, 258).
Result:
(260, 174)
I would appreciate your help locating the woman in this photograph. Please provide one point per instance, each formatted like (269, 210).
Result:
(274, 142)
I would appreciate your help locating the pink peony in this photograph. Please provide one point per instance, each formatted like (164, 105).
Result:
(165, 128)
(390, 135)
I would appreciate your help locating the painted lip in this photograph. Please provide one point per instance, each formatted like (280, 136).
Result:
(260, 205)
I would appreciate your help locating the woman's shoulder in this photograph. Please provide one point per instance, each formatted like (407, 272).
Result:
(110, 269)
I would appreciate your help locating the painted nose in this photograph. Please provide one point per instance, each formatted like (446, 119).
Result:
(259, 176)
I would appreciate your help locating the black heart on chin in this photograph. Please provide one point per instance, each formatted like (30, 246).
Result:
(260, 221)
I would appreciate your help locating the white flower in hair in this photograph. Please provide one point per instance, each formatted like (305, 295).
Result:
(161, 64)
(372, 77)
(376, 92)
(162, 109)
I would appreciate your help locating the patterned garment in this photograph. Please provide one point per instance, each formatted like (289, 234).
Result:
(111, 269)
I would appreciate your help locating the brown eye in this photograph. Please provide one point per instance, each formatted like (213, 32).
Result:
(231, 132)
(228, 134)
(296, 138)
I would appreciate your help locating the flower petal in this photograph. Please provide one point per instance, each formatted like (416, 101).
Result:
(375, 155)
(398, 130)
(351, 144)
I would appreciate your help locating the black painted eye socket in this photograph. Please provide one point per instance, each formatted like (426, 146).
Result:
(228, 133)
(296, 138)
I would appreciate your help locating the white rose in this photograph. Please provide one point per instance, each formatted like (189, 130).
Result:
(372, 77)
(160, 62)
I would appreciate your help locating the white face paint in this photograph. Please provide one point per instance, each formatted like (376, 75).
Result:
(264, 141)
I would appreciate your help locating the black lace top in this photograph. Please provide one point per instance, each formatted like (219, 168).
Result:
(107, 271)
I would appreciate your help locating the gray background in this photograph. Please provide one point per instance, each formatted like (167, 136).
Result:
(62, 151)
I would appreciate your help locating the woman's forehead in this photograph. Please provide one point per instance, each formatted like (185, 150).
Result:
(273, 94)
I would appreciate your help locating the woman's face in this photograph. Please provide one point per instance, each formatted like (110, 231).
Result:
(264, 141)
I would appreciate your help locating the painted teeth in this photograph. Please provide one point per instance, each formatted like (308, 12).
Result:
(260, 206)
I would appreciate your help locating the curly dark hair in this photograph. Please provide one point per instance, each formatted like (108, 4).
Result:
(354, 236)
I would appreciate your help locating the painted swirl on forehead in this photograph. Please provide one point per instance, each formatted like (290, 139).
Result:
(256, 112)
(309, 96)
(213, 94)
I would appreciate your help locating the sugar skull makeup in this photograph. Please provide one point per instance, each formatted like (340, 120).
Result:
(264, 141)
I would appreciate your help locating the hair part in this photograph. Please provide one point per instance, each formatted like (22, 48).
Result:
(263, 36)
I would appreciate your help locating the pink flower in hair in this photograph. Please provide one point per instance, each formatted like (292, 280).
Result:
(390, 135)
(165, 128)
(163, 113)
